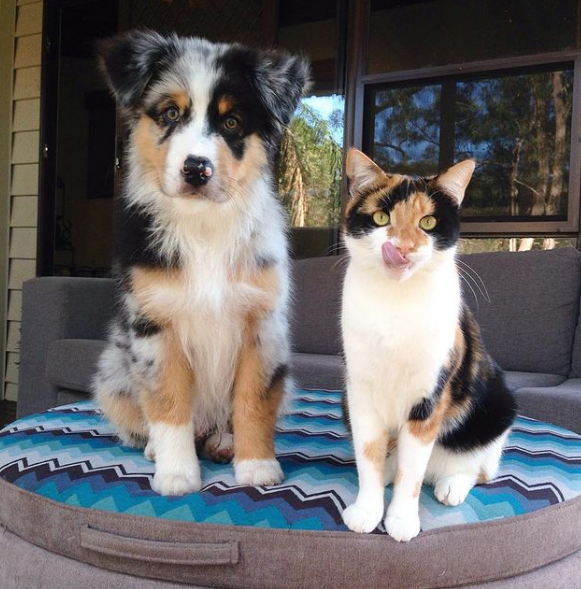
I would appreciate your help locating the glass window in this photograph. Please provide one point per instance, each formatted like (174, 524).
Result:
(419, 34)
(517, 126)
(310, 164)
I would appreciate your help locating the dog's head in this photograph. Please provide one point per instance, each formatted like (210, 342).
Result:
(204, 118)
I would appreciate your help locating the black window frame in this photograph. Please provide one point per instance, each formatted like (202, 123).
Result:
(360, 86)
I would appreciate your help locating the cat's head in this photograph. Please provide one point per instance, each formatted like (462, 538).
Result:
(400, 223)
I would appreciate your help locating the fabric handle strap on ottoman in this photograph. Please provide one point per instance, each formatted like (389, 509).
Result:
(177, 553)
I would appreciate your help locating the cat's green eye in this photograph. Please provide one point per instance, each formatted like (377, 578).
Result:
(428, 223)
(380, 218)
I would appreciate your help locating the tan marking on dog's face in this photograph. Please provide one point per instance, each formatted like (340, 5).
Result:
(170, 400)
(152, 288)
(376, 453)
(225, 105)
(255, 406)
(405, 219)
(146, 141)
(177, 98)
(238, 173)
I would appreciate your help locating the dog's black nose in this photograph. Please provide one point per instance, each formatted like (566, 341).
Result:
(197, 170)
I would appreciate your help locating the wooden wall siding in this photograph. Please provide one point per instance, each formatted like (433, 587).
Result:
(24, 211)
(26, 115)
(24, 180)
(28, 51)
(24, 175)
(12, 367)
(27, 83)
(29, 19)
(13, 339)
(11, 392)
(25, 147)
(20, 271)
(23, 243)
(14, 305)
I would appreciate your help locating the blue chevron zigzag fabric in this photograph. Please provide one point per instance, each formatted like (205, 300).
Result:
(71, 454)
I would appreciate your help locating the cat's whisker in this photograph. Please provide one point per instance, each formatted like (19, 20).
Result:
(485, 294)
(470, 287)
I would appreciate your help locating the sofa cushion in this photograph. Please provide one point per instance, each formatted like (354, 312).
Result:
(517, 380)
(530, 321)
(560, 404)
(91, 500)
(71, 363)
(317, 284)
(318, 371)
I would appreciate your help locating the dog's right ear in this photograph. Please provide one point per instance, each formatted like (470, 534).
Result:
(129, 61)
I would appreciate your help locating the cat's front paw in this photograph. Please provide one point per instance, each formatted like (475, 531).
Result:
(182, 482)
(362, 519)
(402, 527)
(258, 472)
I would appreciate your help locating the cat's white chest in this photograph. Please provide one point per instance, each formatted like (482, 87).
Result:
(396, 337)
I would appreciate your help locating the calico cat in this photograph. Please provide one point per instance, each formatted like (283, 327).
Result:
(425, 400)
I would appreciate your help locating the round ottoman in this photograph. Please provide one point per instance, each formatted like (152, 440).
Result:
(69, 489)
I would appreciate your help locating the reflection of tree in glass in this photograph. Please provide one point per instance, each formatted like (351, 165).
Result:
(407, 129)
(517, 128)
(309, 169)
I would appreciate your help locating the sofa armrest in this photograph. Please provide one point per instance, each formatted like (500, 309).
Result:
(56, 308)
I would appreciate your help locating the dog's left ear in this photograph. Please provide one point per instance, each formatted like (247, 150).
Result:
(281, 81)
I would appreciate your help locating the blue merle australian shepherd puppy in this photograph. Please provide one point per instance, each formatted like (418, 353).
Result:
(199, 346)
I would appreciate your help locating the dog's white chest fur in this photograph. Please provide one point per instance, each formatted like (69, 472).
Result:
(397, 336)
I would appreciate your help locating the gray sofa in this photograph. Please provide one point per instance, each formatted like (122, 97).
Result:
(526, 303)
(530, 322)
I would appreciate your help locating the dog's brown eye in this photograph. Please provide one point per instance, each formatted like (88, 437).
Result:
(231, 123)
(171, 114)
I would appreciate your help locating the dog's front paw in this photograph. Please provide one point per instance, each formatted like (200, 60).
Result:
(402, 527)
(180, 482)
(362, 520)
(258, 472)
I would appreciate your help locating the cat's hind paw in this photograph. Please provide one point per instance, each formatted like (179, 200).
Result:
(453, 490)
(362, 520)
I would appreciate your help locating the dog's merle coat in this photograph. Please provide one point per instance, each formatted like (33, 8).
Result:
(200, 342)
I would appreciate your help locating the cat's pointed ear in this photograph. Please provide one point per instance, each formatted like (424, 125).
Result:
(454, 180)
(361, 171)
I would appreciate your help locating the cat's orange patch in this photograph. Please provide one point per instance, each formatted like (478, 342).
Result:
(376, 452)
(405, 219)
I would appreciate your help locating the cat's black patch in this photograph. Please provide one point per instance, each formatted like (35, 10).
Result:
(346, 416)
(447, 230)
(480, 382)
(423, 410)
(493, 409)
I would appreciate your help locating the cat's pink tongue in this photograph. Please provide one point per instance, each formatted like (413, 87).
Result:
(392, 256)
